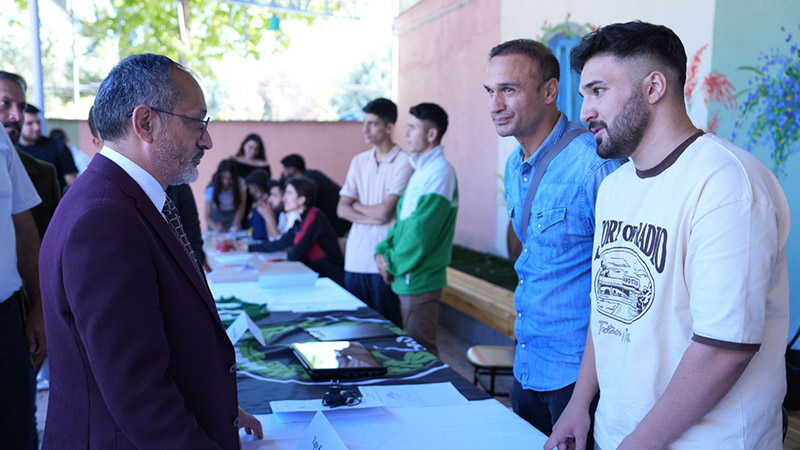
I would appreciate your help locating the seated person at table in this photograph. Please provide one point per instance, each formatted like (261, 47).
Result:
(225, 199)
(311, 239)
(327, 190)
(267, 220)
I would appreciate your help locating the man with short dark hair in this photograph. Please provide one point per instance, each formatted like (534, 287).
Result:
(327, 190)
(375, 181)
(81, 159)
(50, 150)
(140, 358)
(690, 292)
(553, 220)
(415, 254)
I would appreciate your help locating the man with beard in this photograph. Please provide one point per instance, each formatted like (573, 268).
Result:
(43, 174)
(17, 413)
(555, 226)
(690, 293)
(21, 339)
(140, 358)
(12, 103)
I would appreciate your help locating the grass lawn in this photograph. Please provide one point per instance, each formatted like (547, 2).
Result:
(496, 270)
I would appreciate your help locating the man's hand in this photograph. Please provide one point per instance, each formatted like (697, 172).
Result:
(34, 330)
(346, 209)
(28, 243)
(264, 208)
(237, 246)
(571, 430)
(703, 377)
(250, 424)
(380, 261)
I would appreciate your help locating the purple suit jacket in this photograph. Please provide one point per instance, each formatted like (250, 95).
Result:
(138, 355)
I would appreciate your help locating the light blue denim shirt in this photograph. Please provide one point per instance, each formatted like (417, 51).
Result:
(554, 268)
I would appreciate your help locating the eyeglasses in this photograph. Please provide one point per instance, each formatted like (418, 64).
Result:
(202, 121)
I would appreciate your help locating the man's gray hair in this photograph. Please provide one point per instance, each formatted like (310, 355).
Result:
(145, 79)
(14, 78)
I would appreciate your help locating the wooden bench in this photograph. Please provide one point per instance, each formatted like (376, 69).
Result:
(483, 301)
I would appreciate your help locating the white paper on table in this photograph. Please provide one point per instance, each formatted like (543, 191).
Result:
(482, 424)
(286, 406)
(242, 324)
(413, 395)
(325, 295)
(320, 435)
(273, 256)
(233, 274)
(478, 424)
(245, 291)
(233, 259)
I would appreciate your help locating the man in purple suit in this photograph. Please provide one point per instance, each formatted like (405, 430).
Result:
(139, 357)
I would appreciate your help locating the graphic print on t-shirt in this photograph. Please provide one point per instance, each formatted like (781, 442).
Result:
(623, 285)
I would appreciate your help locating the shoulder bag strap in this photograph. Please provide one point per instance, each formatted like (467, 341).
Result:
(539, 173)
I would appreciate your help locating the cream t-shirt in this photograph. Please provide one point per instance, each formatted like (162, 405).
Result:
(370, 183)
(692, 250)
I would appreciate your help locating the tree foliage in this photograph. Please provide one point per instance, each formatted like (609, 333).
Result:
(213, 28)
(371, 79)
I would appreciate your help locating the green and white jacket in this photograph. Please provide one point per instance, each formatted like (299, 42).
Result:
(418, 246)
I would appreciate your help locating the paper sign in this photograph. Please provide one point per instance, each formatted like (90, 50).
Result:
(242, 324)
(413, 395)
(320, 435)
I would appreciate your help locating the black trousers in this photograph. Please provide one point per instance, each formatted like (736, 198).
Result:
(16, 402)
(371, 289)
(543, 408)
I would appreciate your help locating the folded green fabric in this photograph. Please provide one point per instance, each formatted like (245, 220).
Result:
(229, 309)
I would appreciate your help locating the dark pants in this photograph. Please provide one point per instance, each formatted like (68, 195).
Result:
(16, 405)
(543, 408)
(371, 289)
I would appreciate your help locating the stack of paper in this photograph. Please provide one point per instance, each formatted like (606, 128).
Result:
(285, 274)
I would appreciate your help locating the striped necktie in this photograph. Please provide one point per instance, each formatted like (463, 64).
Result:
(171, 213)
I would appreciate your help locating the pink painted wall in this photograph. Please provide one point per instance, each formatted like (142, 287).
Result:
(326, 146)
(443, 60)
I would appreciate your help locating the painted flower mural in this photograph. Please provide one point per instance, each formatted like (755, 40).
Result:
(715, 88)
(771, 112)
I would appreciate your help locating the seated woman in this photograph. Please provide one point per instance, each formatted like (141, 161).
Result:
(225, 199)
(267, 220)
(311, 239)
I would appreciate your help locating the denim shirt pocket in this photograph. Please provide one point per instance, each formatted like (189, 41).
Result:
(578, 225)
(550, 227)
